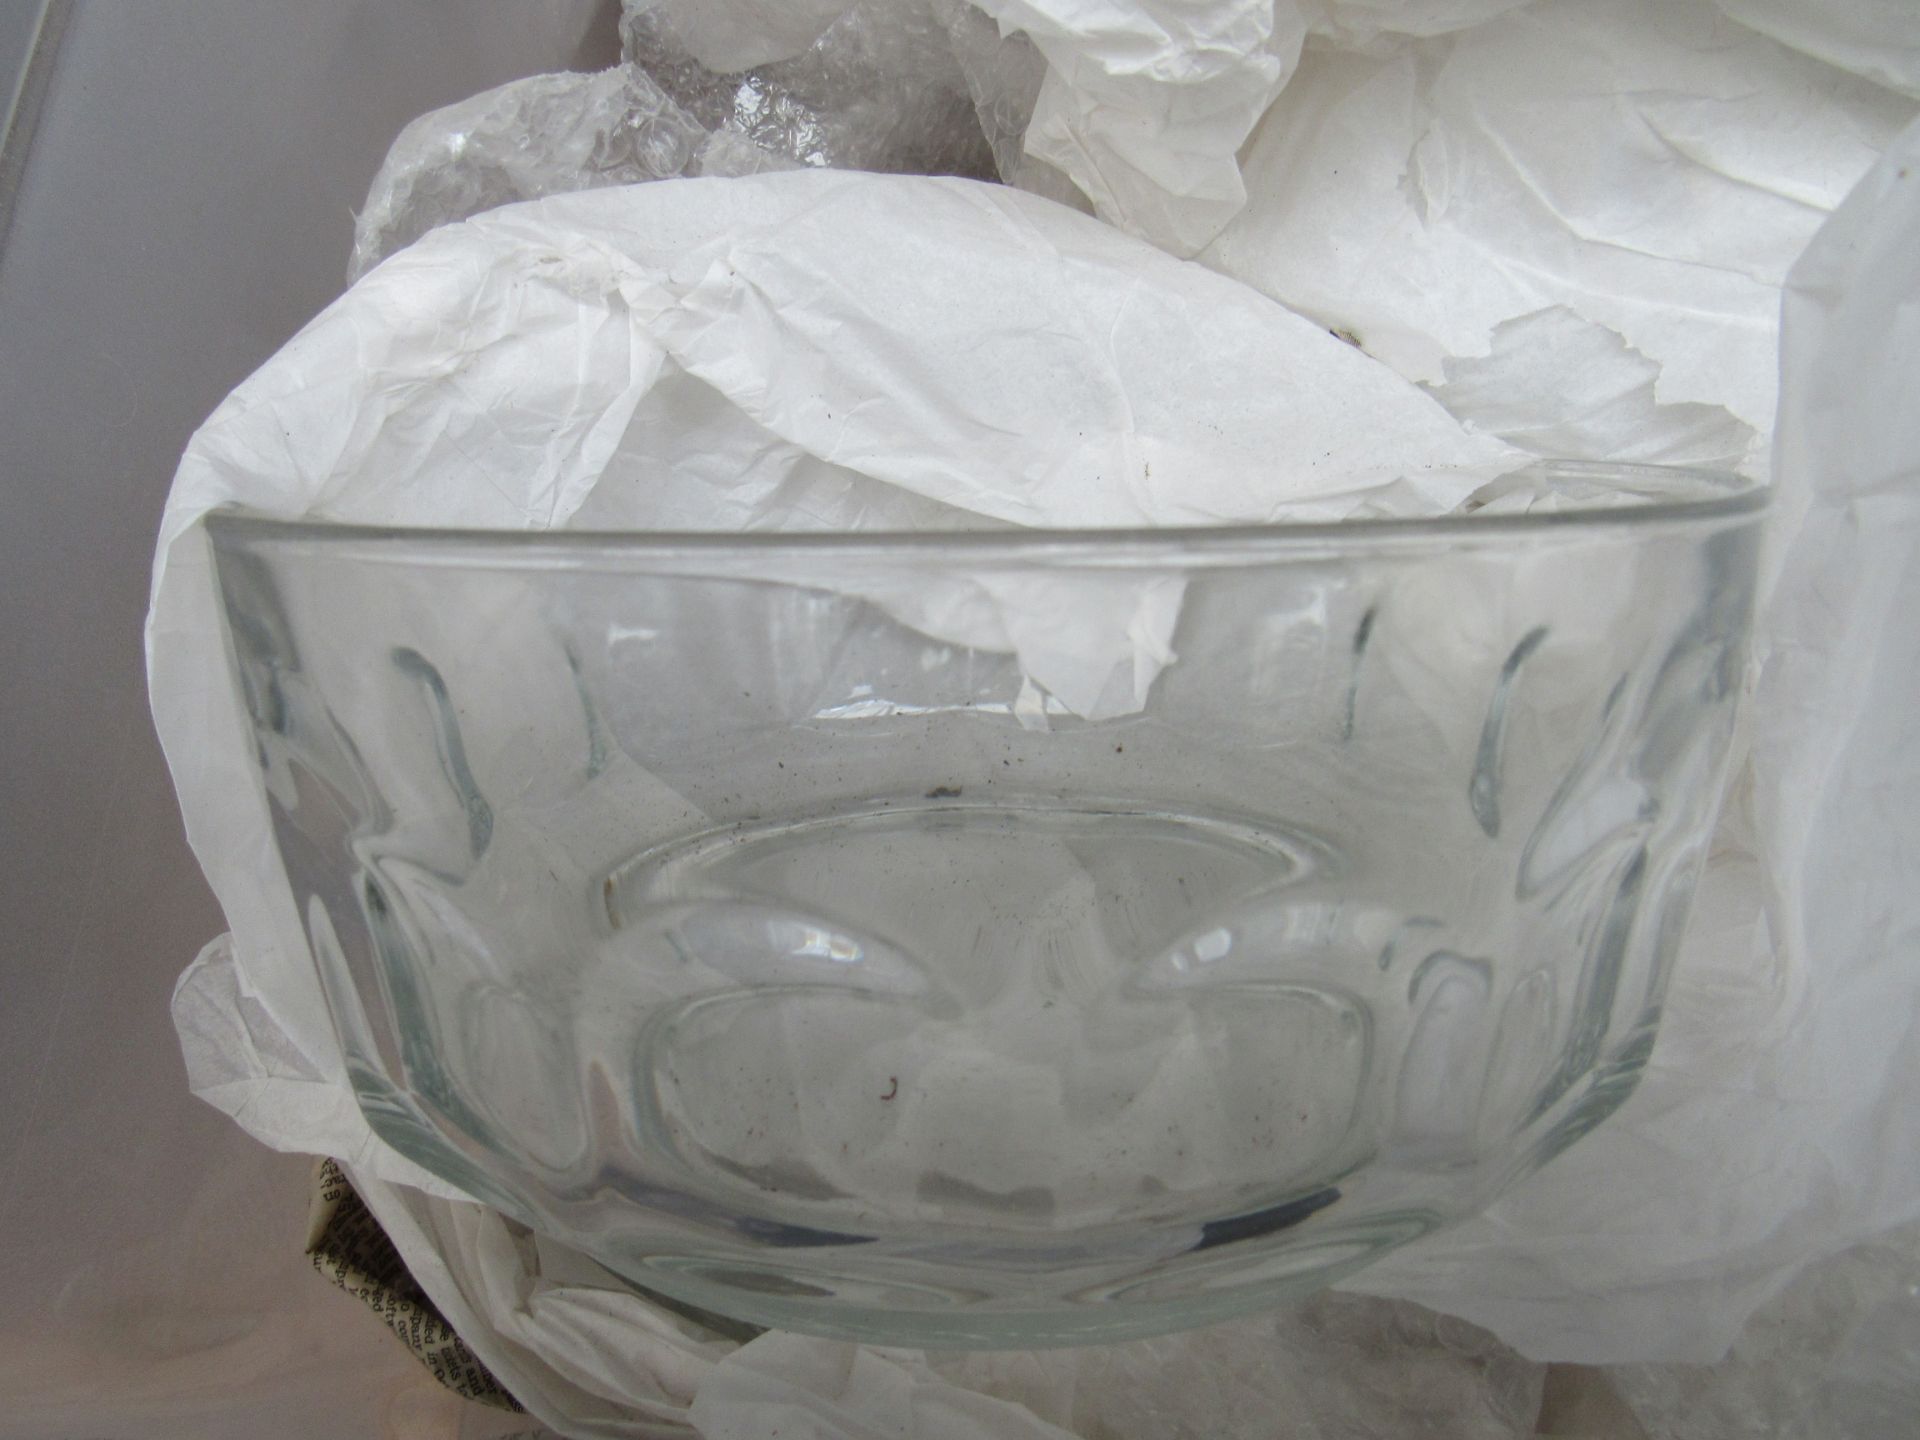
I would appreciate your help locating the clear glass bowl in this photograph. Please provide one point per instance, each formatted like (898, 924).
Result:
(675, 897)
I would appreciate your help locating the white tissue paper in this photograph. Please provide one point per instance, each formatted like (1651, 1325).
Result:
(1774, 1122)
(1144, 105)
(1530, 184)
(1571, 219)
(1646, 170)
(1875, 38)
(1147, 102)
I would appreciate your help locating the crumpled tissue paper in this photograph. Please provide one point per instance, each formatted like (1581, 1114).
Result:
(1595, 200)
(1570, 221)
(1644, 168)
(1773, 1123)
(1877, 39)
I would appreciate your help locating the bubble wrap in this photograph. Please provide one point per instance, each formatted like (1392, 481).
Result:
(878, 89)
(545, 135)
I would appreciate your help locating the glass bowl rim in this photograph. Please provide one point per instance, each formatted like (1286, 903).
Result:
(1696, 496)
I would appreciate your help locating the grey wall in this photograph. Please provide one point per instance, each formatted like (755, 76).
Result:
(184, 206)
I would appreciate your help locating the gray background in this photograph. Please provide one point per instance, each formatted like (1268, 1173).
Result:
(185, 203)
